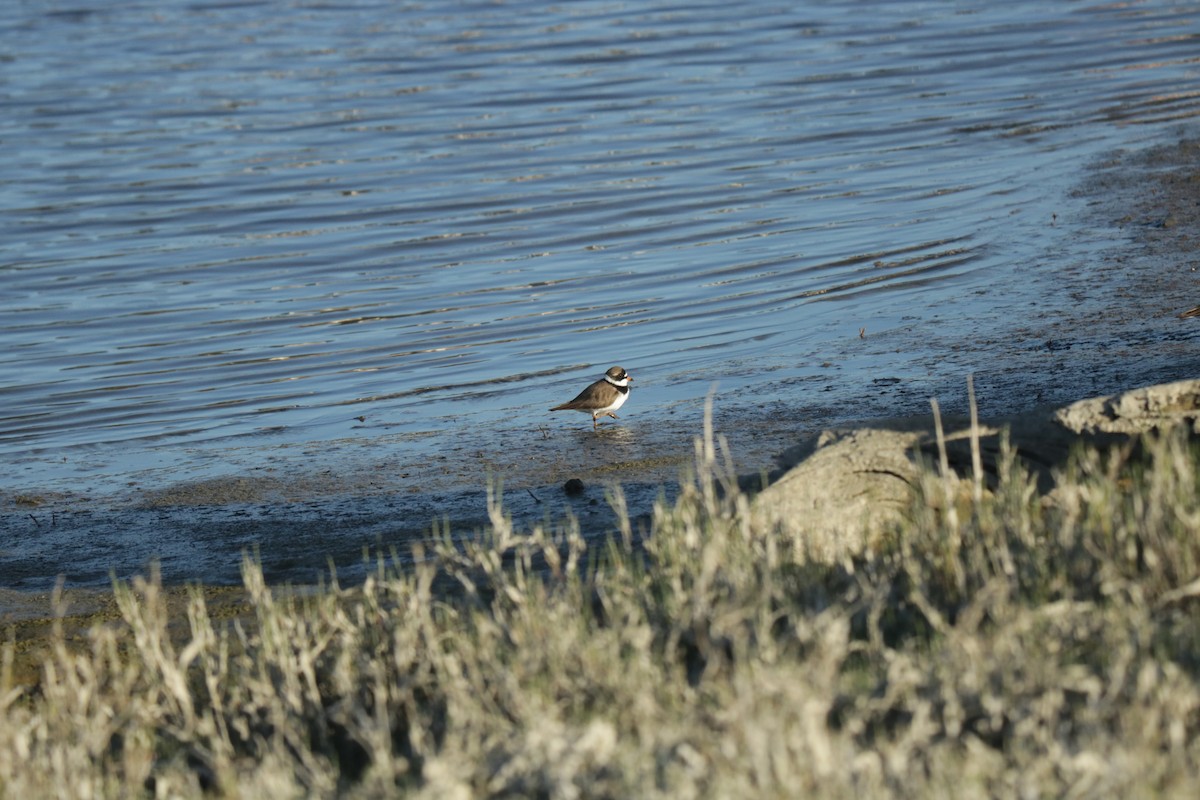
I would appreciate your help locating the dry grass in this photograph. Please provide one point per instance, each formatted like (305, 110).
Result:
(995, 645)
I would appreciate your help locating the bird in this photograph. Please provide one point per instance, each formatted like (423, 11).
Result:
(603, 397)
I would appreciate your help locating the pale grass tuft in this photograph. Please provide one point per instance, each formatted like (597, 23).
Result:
(999, 643)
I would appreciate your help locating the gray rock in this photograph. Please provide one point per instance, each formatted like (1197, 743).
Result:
(837, 491)
(1135, 411)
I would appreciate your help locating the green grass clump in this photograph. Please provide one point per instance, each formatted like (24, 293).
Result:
(996, 644)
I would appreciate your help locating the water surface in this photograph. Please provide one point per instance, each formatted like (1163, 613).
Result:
(235, 233)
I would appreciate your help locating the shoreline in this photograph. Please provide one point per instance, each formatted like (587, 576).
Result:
(1152, 196)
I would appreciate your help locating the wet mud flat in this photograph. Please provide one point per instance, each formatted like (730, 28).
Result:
(1113, 323)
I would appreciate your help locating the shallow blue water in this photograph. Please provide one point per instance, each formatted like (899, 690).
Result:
(227, 229)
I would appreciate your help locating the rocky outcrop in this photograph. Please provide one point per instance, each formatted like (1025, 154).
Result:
(838, 489)
(1135, 411)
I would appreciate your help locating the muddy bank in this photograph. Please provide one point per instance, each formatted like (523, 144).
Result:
(1105, 325)
(346, 515)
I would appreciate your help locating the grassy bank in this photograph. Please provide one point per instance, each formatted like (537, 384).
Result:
(996, 644)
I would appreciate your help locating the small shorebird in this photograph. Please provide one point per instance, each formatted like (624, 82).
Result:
(603, 397)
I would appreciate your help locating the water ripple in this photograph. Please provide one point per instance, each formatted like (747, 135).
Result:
(229, 218)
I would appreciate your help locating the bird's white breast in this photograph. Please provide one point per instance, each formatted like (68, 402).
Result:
(618, 401)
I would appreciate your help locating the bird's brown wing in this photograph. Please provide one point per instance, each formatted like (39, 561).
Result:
(579, 399)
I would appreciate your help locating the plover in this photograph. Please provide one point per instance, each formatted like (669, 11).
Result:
(603, 397)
